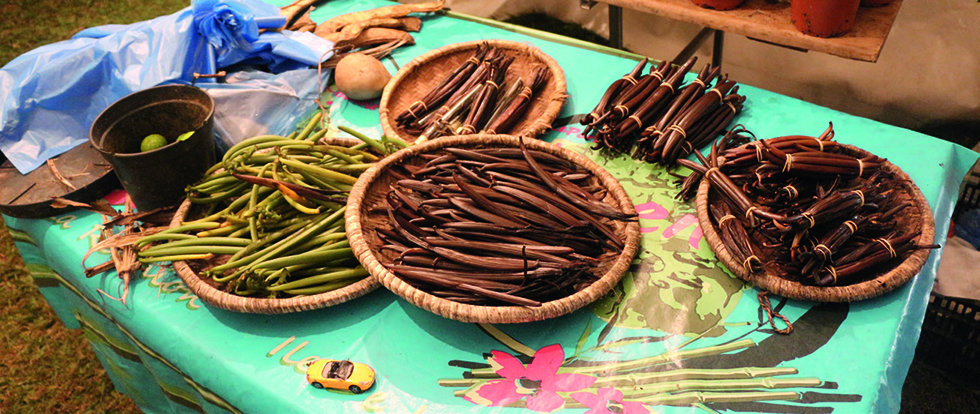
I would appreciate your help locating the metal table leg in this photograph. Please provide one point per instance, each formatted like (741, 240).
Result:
(693, 45)
(615, 26)
(718, 45)
(616, 35)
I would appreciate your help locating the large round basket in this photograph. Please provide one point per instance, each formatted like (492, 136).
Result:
(884, 278)
(424, 72)
(366, 212)
(214, 296)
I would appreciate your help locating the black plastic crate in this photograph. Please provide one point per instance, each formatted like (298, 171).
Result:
(951, 335)
(969, 193)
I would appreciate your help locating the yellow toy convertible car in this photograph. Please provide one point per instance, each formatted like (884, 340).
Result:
(341, 375)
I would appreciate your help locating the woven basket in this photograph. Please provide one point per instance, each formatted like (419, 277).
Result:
(885, 278)
(416, 78)
(365, 211)
(224, 300)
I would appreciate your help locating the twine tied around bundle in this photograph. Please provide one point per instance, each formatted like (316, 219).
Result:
(772, 315)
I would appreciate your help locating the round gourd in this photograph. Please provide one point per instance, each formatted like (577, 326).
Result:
(361, 77)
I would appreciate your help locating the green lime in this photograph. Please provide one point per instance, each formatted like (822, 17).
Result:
(152, 142)
(185, 135)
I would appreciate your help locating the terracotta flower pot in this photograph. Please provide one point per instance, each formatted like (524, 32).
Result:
(875, 3)
(718, 4)
(824, 18)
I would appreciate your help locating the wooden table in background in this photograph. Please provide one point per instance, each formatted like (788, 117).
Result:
(770, 23)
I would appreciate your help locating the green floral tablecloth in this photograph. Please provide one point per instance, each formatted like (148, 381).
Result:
(679, 333)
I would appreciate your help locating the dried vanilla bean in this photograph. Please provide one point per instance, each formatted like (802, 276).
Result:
(812, 213)
(437, 94)
(657, 119)
(509, 116)
(476, 95)
(496, 227)
(660, 97)
(614, 89)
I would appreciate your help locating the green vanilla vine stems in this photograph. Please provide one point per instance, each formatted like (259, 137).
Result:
(273, 223)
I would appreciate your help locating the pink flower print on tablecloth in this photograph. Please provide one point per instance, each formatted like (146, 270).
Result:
(538, 383)
(608, 401)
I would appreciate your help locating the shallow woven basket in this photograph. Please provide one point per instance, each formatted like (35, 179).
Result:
(366, 211)
(224, 300)
(885, 278)
(423, 73)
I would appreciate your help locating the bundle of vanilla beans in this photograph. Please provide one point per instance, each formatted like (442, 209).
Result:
(499, 226)
(657, 118)
(805, 208)
(474, 98)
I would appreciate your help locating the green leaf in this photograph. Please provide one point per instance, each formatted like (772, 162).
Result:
(185, 135)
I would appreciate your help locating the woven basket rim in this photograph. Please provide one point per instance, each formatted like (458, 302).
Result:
(488, 314)
(847, 293)
(235, 303)
(533, 129)
(227, 301)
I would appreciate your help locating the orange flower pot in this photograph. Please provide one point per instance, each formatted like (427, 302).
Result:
(824, 18)
(719, 4)
(875, 3)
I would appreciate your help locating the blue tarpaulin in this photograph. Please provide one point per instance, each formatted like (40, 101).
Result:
(50, 96)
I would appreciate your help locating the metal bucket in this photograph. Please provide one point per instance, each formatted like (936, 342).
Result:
(157, 178)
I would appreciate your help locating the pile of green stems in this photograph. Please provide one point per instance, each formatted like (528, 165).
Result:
(273, 222)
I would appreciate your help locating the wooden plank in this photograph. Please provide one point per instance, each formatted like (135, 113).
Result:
(760, 20)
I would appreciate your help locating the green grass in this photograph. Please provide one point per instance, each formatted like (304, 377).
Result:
(44, 366)
(28, 24)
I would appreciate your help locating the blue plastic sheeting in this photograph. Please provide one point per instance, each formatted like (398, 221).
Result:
(50, 96)
(252, 103)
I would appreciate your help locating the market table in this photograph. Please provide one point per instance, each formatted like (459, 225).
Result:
(675, 308)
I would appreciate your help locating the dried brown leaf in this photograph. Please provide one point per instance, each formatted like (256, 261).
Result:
(351, 31)
(380, 35)
(302, 22)
(157, 217)
(337, 23)
(100, 268)
(57, 174)
(296, 9)
(121, 240)
(99, 206)
(378, 52)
